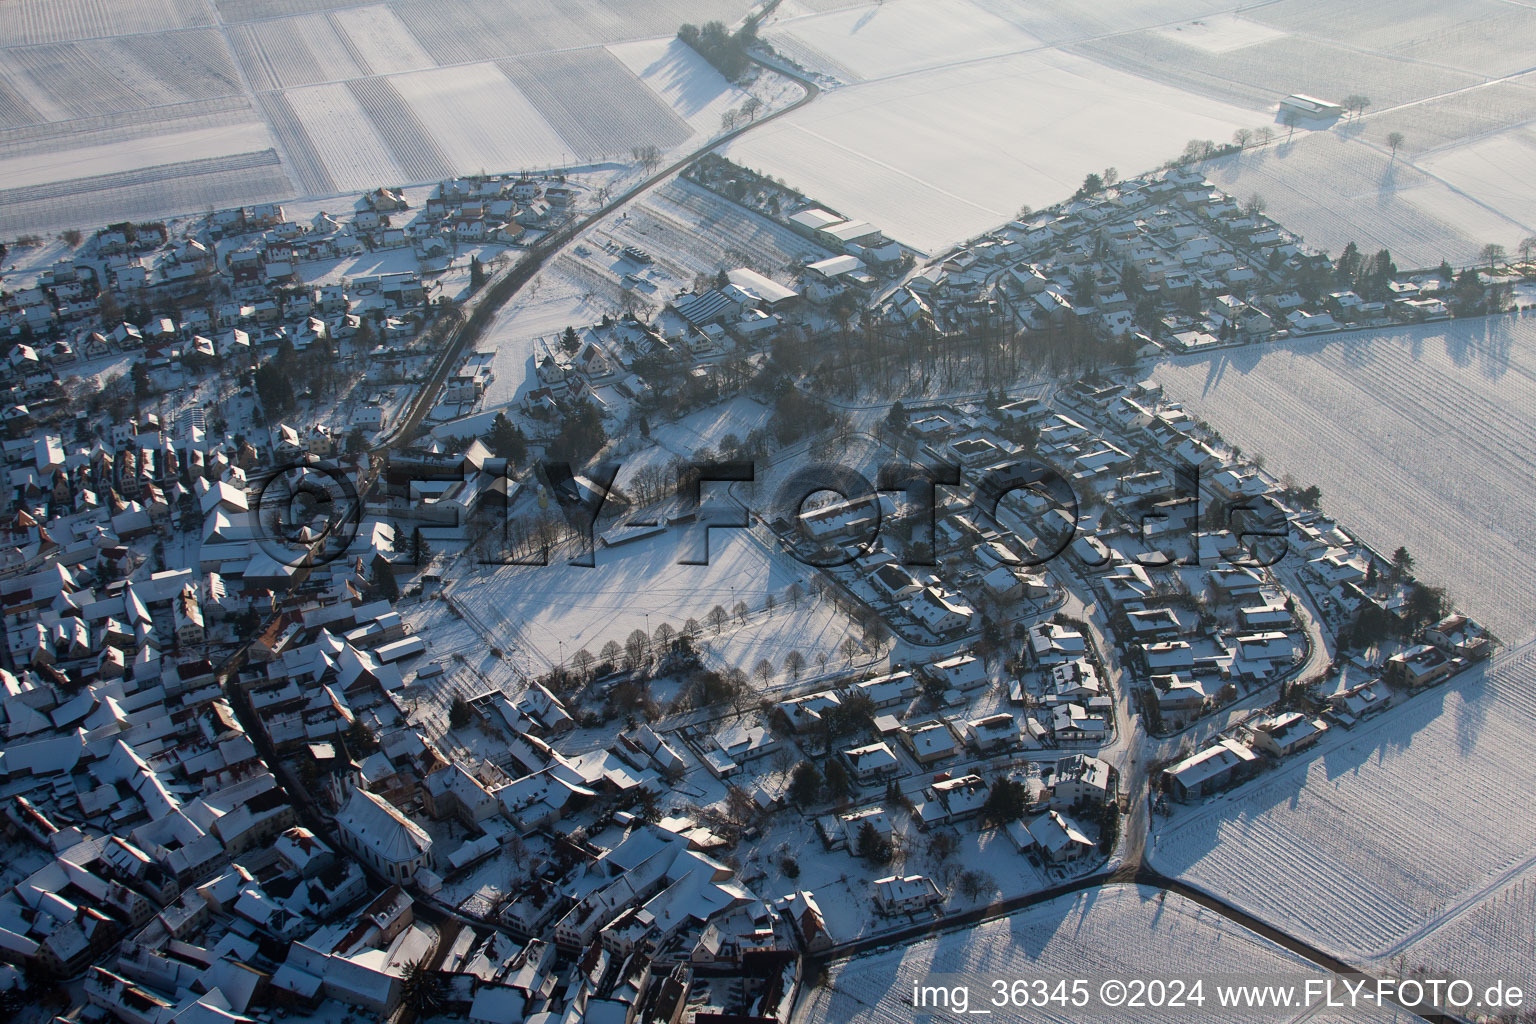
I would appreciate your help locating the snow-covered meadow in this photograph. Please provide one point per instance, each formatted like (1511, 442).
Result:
(1332, 189)
(1421, 436)
(1117, 931)
(553, 611)
(1400, 836)
(865, 42)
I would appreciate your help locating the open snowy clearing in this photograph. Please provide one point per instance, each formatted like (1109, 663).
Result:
(1262, 73)
(1360, 847)
(704, 429)
(1114, 931)
(937, 156)
(1422, 436)
(555, 610)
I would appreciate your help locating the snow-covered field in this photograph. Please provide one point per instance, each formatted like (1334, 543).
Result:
(1494, 171)
(1390, 837)
(1116, 931)
(897, 37)
(1332, 190)
(334, 96)
(1222, 33)
(1423, 436)
(936, 156)
(347, 147)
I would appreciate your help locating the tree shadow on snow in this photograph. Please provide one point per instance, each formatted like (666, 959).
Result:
(675, 69)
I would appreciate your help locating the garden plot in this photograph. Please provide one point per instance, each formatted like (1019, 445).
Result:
(381, 39)
(561, 87)
(901, 36)
(1422, 436)
(290, 52)
(1362, 847)
(938, 156)
(151, 193)
(730, 231)
(1332, 190)
(694, 90)
(402, 128)
(54, 21)
(343, 138)
(690, 231)
(1115, 931)
(561, 295)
